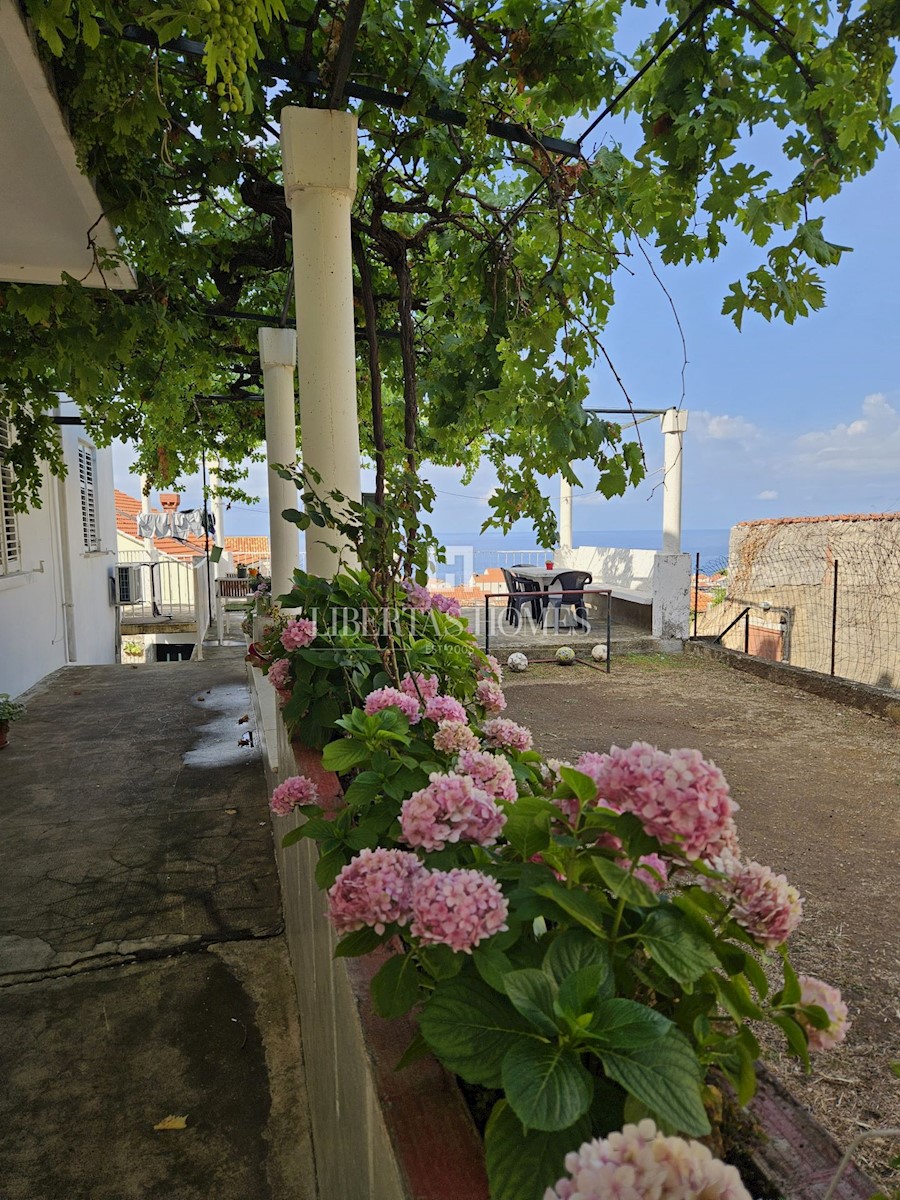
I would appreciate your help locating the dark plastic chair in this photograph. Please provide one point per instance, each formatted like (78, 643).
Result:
(519, 589)
(566, 590)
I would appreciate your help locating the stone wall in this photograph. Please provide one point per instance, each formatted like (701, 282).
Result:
(784, 571)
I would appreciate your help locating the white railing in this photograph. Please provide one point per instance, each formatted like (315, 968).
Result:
(517, 558)
(160, 591)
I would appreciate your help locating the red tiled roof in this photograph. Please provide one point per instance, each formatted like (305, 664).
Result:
(248, 550)
(248, 545)
(895, 516)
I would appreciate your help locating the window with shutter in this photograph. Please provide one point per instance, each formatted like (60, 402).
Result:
(87, 473)
(10, 549)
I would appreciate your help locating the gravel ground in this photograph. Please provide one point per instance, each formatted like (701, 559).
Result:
(819, 789)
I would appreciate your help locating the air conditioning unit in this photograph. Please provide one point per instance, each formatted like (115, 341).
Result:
(129, 586)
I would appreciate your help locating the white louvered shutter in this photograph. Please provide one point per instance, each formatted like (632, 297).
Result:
(87, 471)
(10, 550)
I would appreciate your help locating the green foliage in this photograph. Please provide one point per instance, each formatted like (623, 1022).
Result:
(510, 253)
(10, 710)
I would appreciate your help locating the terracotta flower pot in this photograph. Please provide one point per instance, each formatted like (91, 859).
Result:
(256, 657)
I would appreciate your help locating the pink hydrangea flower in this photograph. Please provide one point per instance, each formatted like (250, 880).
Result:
(507, 735)
(419, 685)
(679, 796)
(814, 991)
(388, 697)
(457, 908)
(641, 1164)
(446, 604)
(489, 694)
(298, 633)
(417, 597)
(280, 678)
(374, 889)
(762, 902)
(454, 736)
(444, 708)
(296, 790)
(450, 809)
(491, 772)
(651, 869)
(490, 669)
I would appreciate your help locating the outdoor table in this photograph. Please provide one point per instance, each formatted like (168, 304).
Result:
(539, 575)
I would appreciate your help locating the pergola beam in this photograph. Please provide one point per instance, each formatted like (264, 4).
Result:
(507, 131)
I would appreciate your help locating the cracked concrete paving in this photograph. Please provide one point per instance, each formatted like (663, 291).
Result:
(142, 971)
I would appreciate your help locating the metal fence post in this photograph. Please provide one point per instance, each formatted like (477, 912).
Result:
(696, 589)
(834, 601)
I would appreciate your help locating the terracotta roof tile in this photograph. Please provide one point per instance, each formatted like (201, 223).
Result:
(894, 516)
(248, 545)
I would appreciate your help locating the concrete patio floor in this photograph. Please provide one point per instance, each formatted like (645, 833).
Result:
(142, 970)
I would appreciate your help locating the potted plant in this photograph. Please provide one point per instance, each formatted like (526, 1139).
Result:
(9, 711)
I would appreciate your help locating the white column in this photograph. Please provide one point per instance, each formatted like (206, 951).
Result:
(150, 547)
(278, 357)
(218, 540)
(673, 422)
(565, 513)
(319, 151)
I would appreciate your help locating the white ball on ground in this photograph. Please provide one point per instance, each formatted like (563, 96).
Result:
(517, 661)
(565, 655)
(600, 652)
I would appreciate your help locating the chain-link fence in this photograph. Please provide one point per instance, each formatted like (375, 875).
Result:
(821, 594)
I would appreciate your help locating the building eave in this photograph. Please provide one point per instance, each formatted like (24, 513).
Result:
(49, 211)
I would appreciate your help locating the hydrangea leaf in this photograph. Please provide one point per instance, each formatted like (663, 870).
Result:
(546, 1084)
(670, 940)
(666, 1076)
(470, 1027)
(520, 1165)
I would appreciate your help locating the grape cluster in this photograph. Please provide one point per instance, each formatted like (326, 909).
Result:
(230, 45)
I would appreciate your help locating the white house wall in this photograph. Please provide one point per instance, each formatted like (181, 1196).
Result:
(43, 623)
(32, 619)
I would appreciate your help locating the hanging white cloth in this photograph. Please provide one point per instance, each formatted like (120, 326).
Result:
(150, 525)
(188, 523)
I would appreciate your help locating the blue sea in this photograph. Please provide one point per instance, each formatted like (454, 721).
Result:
(469, 552)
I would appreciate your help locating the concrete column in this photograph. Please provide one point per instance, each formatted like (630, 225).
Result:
(218, 516)
(673, 422)
(278, 356)
(319, 152)
(565, 513)
(150, 547)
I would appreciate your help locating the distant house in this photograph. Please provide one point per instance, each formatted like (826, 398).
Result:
(166, 584)
(57, 565)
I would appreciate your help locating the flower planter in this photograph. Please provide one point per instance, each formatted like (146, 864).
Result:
(382, 1134)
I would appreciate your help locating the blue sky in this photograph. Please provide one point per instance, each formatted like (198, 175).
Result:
(795, 420)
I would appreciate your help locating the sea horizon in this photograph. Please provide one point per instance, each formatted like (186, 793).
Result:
(493, 548)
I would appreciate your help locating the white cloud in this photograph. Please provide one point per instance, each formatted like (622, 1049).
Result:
(720, 427)
(768, 494)
(868, 445)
